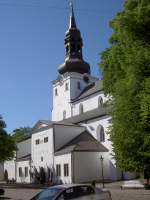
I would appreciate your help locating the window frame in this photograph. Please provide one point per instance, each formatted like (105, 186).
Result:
(81, 108)
(20, 172)
(79, 85)
(64, 114)
(66, 170)
(37, 141)
(100, 133)
(100, 102)
(66, 86)
(42, 158)
(45, 139)
(58, 170)
(26, 171)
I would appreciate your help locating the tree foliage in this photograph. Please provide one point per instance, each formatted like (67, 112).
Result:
(21, 133)
(7, 145)
(126, 71)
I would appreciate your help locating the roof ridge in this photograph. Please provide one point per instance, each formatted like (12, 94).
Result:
(71, 141)
(84, 90)
(90, 89)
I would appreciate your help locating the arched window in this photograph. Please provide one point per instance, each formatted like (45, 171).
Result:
(66, 86)
(100, 133)
(64, 114)
(81, 108)
(56, 92)
(100, 101)
(78, 85)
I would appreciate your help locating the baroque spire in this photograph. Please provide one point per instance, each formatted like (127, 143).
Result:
(73, 44)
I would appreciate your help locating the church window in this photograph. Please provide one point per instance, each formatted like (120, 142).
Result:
(58, 170)
(20, 172)
(66, 170)
(56, 92)
(64, 114)
(100, 133)
(26, 171)
(45, 139)
(66, 86)
(41, 158)
(37, 142)
(78, 85)
(100, 102)
(81, 110)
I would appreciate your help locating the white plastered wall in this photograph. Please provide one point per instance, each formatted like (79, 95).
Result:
(89, 103)
(109, 163)
(61, 160)
(44, 150)
(87, 167)
(10, 166)
(61, 102)
(23, 164)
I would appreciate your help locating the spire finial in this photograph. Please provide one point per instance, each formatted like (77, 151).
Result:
(72, 17)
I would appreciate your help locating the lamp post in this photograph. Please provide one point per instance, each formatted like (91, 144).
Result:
(101, 159)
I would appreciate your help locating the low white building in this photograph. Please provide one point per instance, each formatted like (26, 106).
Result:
(68, 148)
(60, 147)
(18, 169)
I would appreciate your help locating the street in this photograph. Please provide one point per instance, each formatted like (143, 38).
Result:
(117, 194)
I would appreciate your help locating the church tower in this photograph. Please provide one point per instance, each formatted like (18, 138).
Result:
(74, 73)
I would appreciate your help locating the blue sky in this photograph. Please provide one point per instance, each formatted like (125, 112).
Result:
(32, 47)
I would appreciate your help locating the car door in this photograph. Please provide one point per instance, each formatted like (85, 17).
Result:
(78, 192)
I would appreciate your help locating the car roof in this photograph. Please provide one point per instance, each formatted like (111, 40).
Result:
(65, 186)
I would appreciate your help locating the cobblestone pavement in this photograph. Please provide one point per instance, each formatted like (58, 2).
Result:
(117, 194)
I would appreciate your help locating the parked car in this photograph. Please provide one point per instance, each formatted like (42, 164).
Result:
(2, 191)
(73, 191)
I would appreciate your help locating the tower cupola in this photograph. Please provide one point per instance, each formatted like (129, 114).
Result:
(73, 44)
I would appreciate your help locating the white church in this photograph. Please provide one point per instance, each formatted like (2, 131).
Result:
(74, 146)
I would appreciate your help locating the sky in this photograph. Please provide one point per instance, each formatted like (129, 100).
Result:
(32, 47)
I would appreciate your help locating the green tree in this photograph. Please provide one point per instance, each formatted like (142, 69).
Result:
(21, 133)
(126, 72)
(7, 145)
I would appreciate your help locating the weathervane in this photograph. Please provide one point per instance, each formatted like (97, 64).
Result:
(71, 4)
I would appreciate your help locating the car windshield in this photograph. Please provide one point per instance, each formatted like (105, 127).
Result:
(48, 194)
